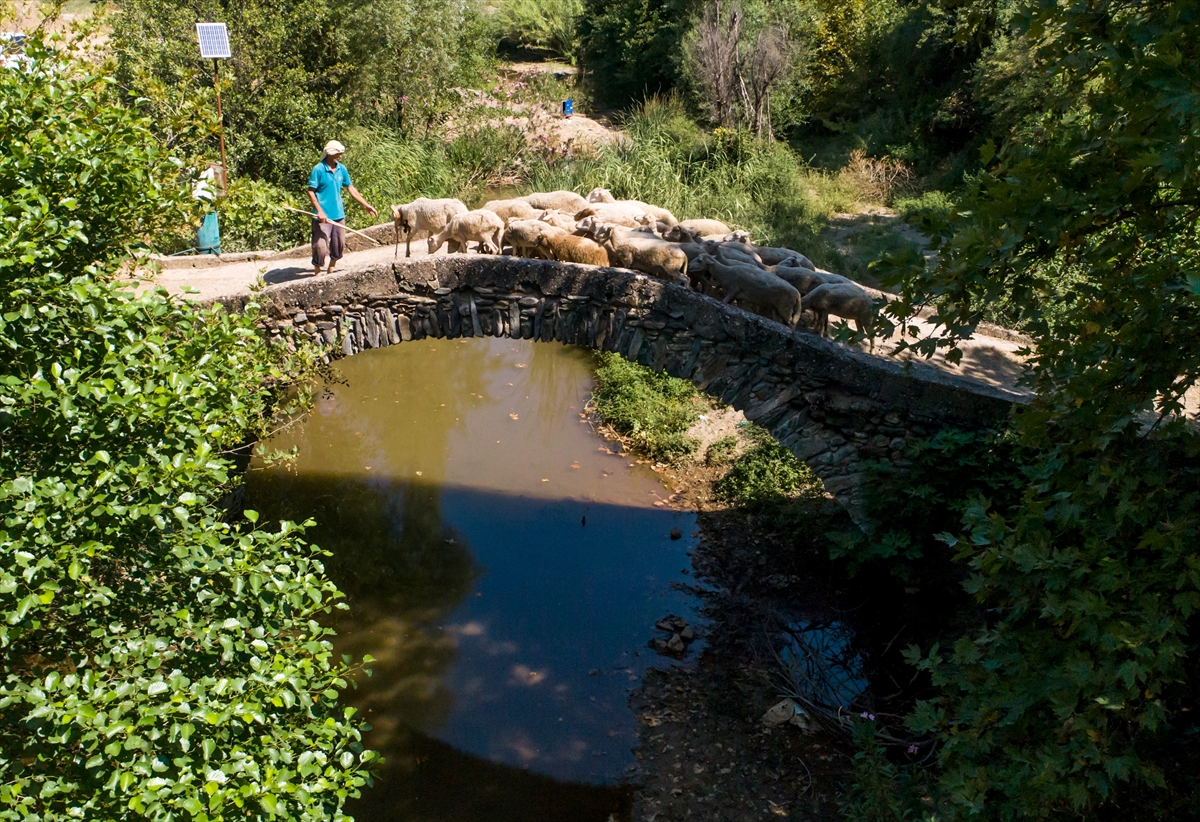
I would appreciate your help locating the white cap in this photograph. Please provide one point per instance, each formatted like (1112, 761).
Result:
(334, 147)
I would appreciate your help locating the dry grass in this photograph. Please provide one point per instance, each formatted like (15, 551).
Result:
(878, 180)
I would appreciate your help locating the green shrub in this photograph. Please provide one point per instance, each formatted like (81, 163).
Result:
(915, 505)
(652, 409)
(252, 217)
(883, 786)
(767, 473)
(722, 451)
(932, 207)
(161, 655)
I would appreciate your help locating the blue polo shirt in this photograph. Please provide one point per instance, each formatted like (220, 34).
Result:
(328, 184)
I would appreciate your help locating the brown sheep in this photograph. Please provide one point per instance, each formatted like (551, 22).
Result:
(628, 249)
(567, 248)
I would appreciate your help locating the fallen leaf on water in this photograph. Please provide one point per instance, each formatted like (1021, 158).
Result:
(418, 473)
(512, 416)
(545, 480)
(520, 365)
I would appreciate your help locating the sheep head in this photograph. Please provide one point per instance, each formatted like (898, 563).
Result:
(399, 218)
(601, 195)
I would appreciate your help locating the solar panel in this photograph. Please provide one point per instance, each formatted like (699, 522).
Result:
(214, 40)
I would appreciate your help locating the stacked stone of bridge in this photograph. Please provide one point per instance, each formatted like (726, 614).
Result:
(834, 406)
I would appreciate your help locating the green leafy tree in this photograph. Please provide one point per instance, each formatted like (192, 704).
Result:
(1074, 699)
(300, 73)
(633, 49)
(283, 91)
(161, 657)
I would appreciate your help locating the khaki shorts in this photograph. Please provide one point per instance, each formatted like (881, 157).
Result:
(328, 240)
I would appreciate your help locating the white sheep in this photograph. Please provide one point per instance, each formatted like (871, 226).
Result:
(739, 236)
(559, 218)
(567, 201)
(511, 209)
(744, 250)
(626, 249)
(481, 226)
(611, 214)
(775, 256)
(702, 227)
(805, 279)
(423, 214)
(523, 235)
(760, 291)
(845, 300)
(604, 196)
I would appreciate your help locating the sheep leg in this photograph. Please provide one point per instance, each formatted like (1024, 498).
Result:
(408, 243)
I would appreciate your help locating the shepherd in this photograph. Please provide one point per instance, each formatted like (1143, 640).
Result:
(325, 186)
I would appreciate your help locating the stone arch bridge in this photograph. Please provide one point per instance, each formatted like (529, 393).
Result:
(834, 406)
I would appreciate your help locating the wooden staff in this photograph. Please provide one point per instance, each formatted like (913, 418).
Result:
(310, 215)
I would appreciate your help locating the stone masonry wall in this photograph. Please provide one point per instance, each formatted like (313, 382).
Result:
(832, 405)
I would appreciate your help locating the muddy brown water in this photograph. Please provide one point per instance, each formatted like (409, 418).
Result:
(502, 564)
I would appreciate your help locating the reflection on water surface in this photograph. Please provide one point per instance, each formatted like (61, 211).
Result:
(504, 568)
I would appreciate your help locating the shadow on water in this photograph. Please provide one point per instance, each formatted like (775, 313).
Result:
(425, 780)
(501, 565)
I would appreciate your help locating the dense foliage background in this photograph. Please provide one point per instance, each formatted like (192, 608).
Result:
(161, 656)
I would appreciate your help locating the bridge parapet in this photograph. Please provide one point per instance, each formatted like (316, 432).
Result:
(832, 405)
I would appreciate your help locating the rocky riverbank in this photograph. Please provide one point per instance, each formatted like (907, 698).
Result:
(710, 747)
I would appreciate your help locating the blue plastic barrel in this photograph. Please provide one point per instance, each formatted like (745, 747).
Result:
(208, 238)
(568, 108)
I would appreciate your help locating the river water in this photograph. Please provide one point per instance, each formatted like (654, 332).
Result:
(502, 564)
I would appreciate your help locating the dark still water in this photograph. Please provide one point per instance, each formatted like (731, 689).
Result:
(501, 564)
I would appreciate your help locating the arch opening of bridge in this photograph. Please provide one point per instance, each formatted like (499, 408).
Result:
(834, 406)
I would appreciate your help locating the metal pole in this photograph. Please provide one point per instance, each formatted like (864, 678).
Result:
(220, 122)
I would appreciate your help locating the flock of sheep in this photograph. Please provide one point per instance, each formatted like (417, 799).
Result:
(777, 283)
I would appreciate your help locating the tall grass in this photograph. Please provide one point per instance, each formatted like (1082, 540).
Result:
(666, 159)
(650, 408)
(544, 25)
(389, 168)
